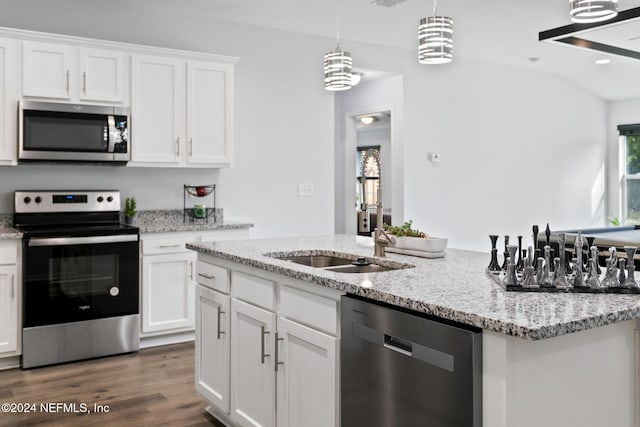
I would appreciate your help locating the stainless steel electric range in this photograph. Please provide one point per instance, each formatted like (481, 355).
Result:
(80, 276)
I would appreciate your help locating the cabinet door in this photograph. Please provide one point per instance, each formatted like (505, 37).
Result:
(307, 377)
(8, 308)
(212, 346)
(8, 98)
(47, 70)
(168, 300)
(157, 109)
(252, 371)
(102, 75)
(209, 112)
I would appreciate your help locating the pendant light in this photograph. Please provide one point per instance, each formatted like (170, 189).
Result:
(584, 11)
(337, 65)
(435, 39)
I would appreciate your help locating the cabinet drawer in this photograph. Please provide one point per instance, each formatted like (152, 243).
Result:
(212, 276)
(310, 309)
(252, 289)
(164, 246)
(8, 255)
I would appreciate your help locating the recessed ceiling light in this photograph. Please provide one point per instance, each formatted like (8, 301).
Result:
(367, 120)
(602, 61)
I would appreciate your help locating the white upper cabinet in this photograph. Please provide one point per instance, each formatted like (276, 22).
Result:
(182, 112)
(8, 100)
(157, 104)
(102, 73)
(65, 72)
(209, 112)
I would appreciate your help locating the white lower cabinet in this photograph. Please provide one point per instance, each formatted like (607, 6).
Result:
(9, 328)
(168, 292)
(282, 364)
(10, 302)
(212, 346)
(253, 391)
(168, 307)
(307, 380)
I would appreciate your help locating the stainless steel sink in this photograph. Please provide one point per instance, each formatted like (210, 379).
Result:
(371, 268)
(319, 261)
(339, 262)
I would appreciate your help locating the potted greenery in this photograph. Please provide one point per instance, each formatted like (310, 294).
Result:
(130, 210)
(410, 238)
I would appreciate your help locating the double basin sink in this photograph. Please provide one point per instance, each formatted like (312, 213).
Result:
(340, 262)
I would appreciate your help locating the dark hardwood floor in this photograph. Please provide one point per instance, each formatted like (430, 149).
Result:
(151, 388)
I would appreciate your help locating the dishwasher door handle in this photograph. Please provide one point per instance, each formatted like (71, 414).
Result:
(397, 344)
(420, 351)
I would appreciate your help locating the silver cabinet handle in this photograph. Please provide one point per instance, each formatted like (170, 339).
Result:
(206, 276)
(276, 352)
(263, 355)
(193, 270)
(67, 82)
(84, 82)
(191, 146)
(220, 313)
(13, 286)
(177, 245)
(178, 146)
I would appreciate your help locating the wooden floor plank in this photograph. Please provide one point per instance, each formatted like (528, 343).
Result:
(154, 387)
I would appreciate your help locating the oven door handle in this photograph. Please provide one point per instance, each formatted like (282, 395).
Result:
(65, 241)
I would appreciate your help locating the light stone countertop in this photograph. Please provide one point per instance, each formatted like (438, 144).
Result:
(455, 287)
(6, 230)
(160, 221)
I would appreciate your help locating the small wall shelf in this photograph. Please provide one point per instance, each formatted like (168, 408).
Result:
(199, 203)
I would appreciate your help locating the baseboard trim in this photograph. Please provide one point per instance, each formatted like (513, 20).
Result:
(159, 340)
(9, 362)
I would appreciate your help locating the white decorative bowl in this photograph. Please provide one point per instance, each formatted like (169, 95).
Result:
(425, 244)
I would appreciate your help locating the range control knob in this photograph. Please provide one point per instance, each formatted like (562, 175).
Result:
(109, 199)
(38, 199)
(27, 200)
(100, 199)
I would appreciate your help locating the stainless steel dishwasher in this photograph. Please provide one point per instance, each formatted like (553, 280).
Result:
(402, 369)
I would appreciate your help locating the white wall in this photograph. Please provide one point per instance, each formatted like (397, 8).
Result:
(620, 113)
(517, 148)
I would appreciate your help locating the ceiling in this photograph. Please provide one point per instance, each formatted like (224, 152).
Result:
(496, 31)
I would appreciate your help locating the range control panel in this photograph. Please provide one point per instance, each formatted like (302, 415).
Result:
(66, 201)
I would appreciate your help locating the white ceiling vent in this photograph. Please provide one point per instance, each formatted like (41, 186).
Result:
(387, 3)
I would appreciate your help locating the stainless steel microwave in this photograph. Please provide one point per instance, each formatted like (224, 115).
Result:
(50, 131)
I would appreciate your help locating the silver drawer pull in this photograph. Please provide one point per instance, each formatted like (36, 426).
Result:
(263, 355)
(276, 352)
(220, 313)
(170, 246)
(206, 276)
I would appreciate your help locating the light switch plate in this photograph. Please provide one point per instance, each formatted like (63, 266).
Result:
(305, 190)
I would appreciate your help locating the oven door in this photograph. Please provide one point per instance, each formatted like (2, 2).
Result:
(70, 279)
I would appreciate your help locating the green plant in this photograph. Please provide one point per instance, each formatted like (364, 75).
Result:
(403, 230)
(613, 220)
(130, 206)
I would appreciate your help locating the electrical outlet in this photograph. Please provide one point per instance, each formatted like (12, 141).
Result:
(305, 190)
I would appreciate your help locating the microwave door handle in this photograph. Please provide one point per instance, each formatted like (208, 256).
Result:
(111, 120)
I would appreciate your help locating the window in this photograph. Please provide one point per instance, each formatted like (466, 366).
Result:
(630, 172)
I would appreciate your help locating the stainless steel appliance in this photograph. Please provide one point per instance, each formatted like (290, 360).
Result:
(80, 276)
(401, 368)
(50, 131)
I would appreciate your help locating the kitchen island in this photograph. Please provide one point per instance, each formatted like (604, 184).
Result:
(548, 359)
